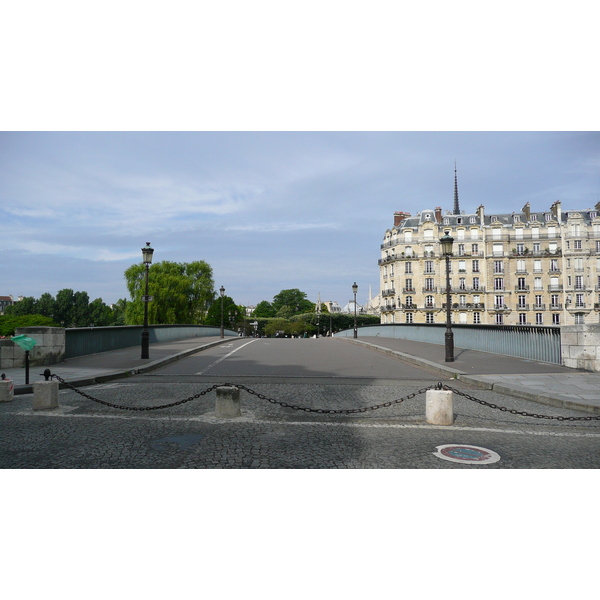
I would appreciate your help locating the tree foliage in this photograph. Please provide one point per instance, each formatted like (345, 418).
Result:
(292, 302)
(68, 309)
(8, 323)
(181, 292)
(233, 315)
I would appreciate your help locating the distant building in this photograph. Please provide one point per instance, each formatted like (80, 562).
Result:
(4, 302)
(524, 268)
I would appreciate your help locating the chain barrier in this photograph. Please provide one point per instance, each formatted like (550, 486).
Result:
(136, 408)
(326, 411)
(513, 411)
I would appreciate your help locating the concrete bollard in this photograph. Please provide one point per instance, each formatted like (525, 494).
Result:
(438, 407)
(227, 405)
(7, 389)
(45, 395)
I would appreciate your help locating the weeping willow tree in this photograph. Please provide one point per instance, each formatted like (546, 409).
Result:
(180, 292)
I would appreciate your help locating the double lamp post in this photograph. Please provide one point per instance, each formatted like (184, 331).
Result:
(446, 243)
(147, 253)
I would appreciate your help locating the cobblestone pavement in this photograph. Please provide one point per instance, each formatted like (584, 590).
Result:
(84, 434)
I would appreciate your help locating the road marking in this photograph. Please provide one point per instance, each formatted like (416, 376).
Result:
(250, 418)
(224, 357)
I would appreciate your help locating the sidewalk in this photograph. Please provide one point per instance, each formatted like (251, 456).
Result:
(544, 383)
(105, 366)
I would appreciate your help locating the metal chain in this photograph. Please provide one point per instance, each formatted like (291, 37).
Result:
(137, 408)
(326, 411)
(519, 412)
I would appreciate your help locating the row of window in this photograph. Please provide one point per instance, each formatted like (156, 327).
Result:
(499, 318)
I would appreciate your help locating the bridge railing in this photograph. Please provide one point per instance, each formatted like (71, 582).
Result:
(532, 343)
(91, 340)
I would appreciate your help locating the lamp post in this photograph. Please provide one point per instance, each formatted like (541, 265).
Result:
(147, 253)
(446, 243)
(355, 290)
(222, 290)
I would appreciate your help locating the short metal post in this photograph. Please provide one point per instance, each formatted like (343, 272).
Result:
(227, 405)
(439, 409)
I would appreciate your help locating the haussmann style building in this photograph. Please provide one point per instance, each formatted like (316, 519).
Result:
(526, 268)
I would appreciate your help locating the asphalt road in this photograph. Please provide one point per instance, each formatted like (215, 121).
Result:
(321, 374)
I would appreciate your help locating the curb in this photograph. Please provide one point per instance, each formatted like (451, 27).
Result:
(28, 389)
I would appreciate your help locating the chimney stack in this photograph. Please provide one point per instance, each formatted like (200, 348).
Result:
(399, 217)
(438, 214)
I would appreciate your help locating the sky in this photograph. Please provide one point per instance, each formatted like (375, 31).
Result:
(267, 210)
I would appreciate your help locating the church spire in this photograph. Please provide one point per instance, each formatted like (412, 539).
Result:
(456, 207)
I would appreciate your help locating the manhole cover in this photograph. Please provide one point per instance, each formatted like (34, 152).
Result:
(466, 454)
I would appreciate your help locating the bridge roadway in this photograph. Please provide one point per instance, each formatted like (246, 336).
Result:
(324, 373)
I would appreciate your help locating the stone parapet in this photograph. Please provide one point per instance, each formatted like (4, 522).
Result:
(49, 349)
(580, 347)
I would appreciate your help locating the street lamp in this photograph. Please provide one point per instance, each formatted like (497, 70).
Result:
(446, 243)
(147, 253)
(222, 290)
(355, 290)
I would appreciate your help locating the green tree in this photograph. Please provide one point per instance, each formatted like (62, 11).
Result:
(263, 310)
(181, 292)
(64, 308)
(118, 310)
(295, 301)
(8, 323)
(80, 314)
(99, 314)
(45, 305)
(25, 306)
(231, 313)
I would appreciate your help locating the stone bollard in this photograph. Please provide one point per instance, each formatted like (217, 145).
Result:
(438, 407)
(227, 405)
(45, 393)
(7, 389)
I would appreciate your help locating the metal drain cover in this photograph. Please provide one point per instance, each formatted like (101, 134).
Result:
(461, 453)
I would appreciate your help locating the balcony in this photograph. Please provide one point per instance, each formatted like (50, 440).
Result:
(390, 292)
(409, 306)
(555, 306)
(539, 307)
(430, 290)
(521, 288)
(408, 290)
(522, 307)
(555, 288)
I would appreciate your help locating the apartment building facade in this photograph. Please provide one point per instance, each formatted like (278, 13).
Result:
(526, 268)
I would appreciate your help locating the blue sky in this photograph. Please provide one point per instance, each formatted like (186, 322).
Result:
(274, 143)
(267, 210)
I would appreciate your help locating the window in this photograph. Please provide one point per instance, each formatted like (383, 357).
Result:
(498, 283)
(474, 232)
(517, 219)
(429, 302)
(409, 317)
(462, 284)
(521, 283)
(538, 300)
(579, 301)
(429, 283)
(520, 248)
(428, 234)
(496, 233)
(578, 282)
(461, 249)
(522, 318)
(499, 301)
(408, 267)
(551, 231)
(577, 244)
(579, 319)
(535, 232)
(521, 265)
(552, 247)
(474, 219)
(555, 319)
(429, 318)
(521, 302)
(575, 229)
(408, 236)
(408, 300)
(536, 248)
(554, 301)
(578, 263)
(475, 283)
(539, 318)
(460, 234)
(475, 248)
(408, 285)
(537, 283)
(408, 250)
(476, 299)
(462, 300)
(428, 266)
(499, 319)
(475, 266)
(537, 266)
(476, 318)
(462, 266)
(554, 264)
(498, 266)
(497, 250)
